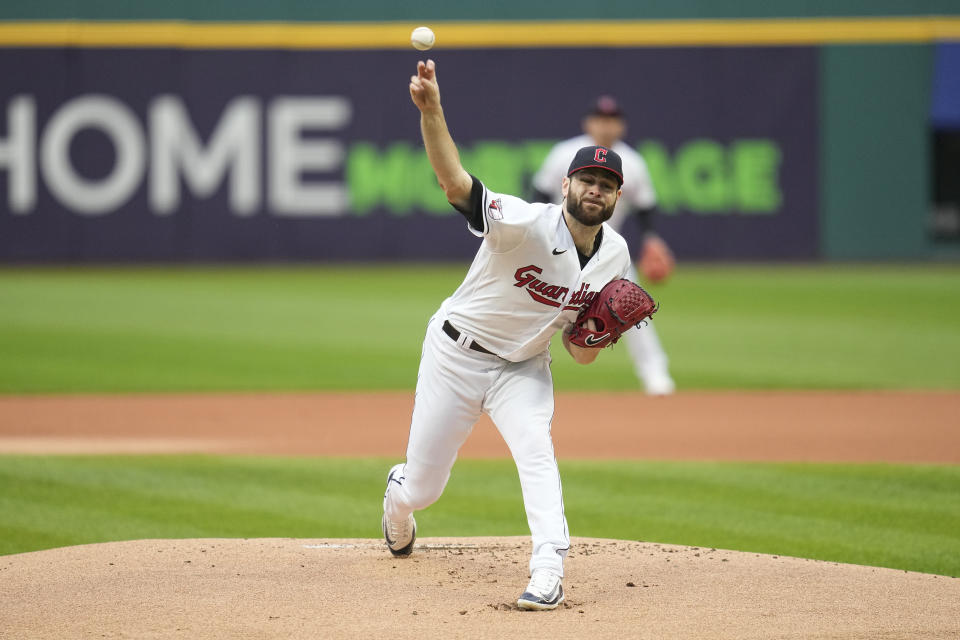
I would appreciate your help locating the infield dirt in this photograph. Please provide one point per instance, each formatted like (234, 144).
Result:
(755, 426)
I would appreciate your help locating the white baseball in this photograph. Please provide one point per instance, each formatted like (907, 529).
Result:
(422, 38)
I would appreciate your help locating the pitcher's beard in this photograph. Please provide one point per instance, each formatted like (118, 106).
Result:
(590, 219)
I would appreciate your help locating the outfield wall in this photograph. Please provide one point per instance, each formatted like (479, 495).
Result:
(433, 10)
(182, 148)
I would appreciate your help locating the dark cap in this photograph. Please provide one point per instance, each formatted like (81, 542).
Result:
(599, 157)
(606, 106)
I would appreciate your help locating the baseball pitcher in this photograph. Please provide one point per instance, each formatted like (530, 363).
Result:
(486, 350)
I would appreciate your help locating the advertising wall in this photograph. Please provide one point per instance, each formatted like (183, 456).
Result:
(179, 154)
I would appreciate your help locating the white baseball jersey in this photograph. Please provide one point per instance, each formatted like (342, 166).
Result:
(526, 283)
(638, 191)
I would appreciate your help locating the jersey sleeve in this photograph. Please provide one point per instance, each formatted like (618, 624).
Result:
(502, 220)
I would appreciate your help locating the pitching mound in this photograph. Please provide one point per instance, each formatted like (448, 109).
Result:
(465, 587)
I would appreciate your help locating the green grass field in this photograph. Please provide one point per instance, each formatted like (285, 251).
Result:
(83, 330)
(361, 327)
(905, 517)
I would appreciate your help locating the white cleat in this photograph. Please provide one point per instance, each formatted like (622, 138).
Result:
(401, 535)
(544, 592)
(659, 384)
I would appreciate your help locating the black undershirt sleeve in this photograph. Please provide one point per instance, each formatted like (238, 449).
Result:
(474, 214)
(645, 219)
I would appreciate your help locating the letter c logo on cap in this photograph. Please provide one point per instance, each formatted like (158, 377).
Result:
(600, 155)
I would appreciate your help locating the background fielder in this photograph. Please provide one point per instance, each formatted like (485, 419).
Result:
(486, 349)
(605, 125)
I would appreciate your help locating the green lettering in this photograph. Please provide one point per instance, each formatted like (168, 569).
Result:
(362, 174)
(397, 173)
(427, 192)
(702, 177)
(701, 173)
(399, 178)
(534, 153)
(659, 164)
(755, 171)
(498, 164)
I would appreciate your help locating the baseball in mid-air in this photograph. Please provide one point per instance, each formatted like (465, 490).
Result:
(422, 38)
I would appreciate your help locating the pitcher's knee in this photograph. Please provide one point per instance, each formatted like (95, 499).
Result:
(423, 485)
(420, 497)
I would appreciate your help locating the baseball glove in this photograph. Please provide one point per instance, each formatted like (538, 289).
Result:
(619, 305)
(656, 262)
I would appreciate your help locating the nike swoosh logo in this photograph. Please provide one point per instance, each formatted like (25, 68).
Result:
(591, 341)
(556, 253)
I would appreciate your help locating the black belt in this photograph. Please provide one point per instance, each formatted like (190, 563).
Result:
(453, 333)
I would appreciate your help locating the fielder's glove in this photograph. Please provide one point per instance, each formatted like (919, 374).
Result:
(656, 261)
(621, 304)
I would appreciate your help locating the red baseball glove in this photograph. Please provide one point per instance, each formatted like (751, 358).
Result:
(621, 304)
(656, 261)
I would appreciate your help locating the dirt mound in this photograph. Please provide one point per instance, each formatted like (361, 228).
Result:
(464, 587)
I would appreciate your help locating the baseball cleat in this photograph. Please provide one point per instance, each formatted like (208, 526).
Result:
(544, 592)
(658, 384)
(398, 535)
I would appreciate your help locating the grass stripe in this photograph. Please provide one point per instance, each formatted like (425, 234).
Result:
(271, 328)
(904, 517)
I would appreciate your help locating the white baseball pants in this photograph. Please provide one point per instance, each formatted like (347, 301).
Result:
(454, 386)
(649, 359)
